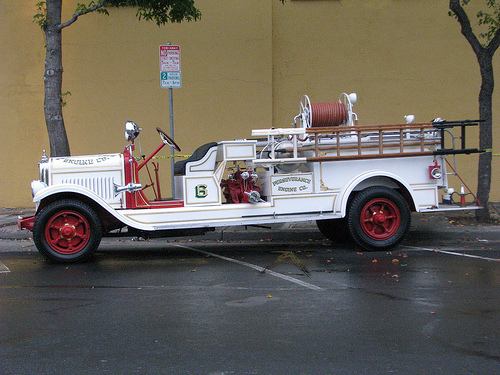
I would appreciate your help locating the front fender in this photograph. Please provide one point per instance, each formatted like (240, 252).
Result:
(71, 190)
(68, 189)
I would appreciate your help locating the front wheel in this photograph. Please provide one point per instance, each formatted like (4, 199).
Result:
(67, 231)
(378, 218)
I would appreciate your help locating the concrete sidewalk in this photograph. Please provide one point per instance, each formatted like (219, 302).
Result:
(8, 223)
(457, 222)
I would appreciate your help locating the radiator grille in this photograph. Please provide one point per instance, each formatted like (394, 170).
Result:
(101, 186)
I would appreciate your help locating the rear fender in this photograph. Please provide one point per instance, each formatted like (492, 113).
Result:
(375, 178)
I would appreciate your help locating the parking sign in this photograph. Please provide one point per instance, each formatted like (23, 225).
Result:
(170, 66)
(170, 79)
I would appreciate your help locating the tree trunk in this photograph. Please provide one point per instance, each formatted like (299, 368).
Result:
(485, 132)
(58, 139)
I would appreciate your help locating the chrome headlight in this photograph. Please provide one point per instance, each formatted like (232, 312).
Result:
(36, 186)
(44, 172)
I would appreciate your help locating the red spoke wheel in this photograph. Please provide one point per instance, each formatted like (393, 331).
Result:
(378, 218)
(67, 231)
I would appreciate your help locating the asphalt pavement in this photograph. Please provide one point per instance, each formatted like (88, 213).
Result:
(279, 300)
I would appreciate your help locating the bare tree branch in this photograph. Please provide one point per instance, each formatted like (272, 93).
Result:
(81, 13)
(467, 32)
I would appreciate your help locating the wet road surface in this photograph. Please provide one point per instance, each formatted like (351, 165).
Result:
(255, 307)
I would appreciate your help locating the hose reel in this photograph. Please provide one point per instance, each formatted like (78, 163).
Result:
(339, 113)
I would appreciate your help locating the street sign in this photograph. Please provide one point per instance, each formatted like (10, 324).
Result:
(170, 58)
(170, 66)
(170, 79)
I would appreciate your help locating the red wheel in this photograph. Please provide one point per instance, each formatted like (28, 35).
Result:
(380, 219)
(67, 230)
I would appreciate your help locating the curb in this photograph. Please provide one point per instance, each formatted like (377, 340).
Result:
(295, 231)
(291, 231)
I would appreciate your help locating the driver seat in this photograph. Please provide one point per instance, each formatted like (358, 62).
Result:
(202, 160)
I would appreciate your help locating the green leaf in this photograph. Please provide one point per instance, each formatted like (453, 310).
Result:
(160, 11)
(40, 18)
(488, 19)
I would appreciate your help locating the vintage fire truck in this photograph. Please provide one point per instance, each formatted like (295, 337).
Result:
(361, 181)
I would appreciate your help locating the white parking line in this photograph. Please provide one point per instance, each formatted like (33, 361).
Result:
(3, 268)
(257, 268)
(451, 253)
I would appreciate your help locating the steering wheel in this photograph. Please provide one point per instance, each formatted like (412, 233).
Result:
(167, 140)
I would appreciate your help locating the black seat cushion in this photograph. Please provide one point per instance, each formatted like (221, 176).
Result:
(198, 154)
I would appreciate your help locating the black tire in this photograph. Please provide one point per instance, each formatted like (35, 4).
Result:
(67, 231)
(336, 230)
(378, 218)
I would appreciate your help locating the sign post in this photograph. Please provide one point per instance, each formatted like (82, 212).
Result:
(170, 77)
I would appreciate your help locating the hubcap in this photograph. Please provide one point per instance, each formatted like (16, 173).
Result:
(68, 231)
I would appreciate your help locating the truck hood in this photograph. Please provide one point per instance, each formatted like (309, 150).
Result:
(76, 163)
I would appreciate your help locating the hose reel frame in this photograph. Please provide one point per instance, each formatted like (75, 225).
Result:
(328, 114)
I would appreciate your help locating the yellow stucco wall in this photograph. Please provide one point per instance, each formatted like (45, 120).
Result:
(244, 65)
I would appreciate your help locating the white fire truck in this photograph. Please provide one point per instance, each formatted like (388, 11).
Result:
(361, 181)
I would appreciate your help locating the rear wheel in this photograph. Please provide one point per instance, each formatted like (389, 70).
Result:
(379, 218)
(67, 231)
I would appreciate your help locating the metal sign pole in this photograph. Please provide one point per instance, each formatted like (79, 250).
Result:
(172, 151)
(170, 77)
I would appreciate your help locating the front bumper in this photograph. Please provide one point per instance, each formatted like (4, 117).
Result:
(26, 222)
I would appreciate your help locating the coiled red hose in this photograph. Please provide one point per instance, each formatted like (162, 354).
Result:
(328, 114)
